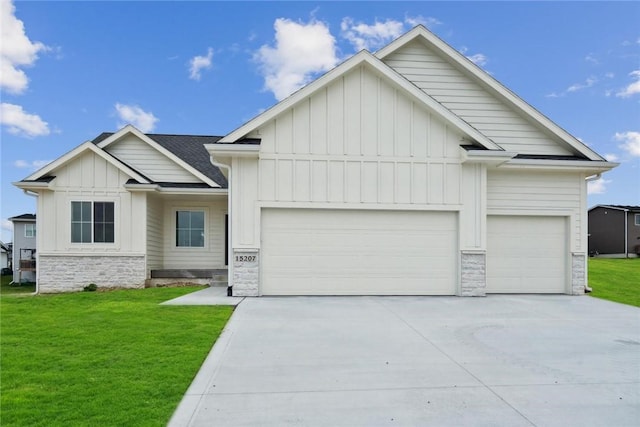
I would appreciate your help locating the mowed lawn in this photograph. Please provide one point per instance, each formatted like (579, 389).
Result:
(615, 279)
(100, 358)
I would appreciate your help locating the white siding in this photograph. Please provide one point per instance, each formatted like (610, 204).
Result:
(212, 255)
(155, 227)
(91, 178)
(149, 161)
(539, 193)
(359, 140)
(479, 107)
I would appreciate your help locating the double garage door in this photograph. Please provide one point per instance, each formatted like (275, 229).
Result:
(364, 252)
(358, 252)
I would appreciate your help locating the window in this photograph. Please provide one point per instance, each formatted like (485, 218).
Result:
(637, 217)
(92, 222)
(29, 230)
(190, 229)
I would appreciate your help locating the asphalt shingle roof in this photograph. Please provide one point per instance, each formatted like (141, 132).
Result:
(23, 217)
(189, 148)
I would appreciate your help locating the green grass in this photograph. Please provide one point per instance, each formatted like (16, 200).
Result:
(6, 289)
(101, 358)
(615, 279)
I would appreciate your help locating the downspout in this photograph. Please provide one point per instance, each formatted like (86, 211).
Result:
(32, 194)
(626, 233)
(587, 289)
(229, 243)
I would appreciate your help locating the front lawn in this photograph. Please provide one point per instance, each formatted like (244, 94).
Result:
(6, 288)
(101, 358)
(615, 279)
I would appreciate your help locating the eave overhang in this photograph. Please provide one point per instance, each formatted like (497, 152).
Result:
(487, 157)
(588, 166)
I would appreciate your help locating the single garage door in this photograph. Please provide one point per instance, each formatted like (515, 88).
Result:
(358, 252)
(526, 254)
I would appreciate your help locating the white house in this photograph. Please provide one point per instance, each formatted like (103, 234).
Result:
(405, 172)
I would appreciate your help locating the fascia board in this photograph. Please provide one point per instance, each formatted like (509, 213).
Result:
(233, 150)
(590, 166)
(490, 82)
(77, 151)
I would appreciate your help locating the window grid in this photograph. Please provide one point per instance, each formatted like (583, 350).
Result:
(29, 230)
(92, 222)
(190, 229)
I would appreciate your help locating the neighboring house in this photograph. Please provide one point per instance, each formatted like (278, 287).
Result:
(24, 248)
(408, 171)
(614, 230)
(5, 253)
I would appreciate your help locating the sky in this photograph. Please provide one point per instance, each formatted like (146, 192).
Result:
(72, 70)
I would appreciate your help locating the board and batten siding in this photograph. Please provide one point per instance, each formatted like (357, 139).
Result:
(540, 193)
(498, 121)
(155, 239)
(91, 178)
(212, 255)
(359, 140)
(149, 161)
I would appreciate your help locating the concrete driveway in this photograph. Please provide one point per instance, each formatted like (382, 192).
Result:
(421, 361)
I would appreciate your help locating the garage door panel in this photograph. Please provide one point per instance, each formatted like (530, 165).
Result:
(346, 252)
(526, 254)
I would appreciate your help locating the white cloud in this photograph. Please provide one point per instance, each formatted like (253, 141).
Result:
(590, 81)
(7, 225)
(370, 37)
(199, 63)
(598, 186)
(33, 165)
(144, 121)
(630, 142)
(479, 59)
(22, 123)
(591, 58)
(610, 157)
(16, 50)
(632, 88)
(301, 51)
(428, 22)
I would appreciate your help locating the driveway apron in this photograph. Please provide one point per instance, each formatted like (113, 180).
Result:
(421, 361)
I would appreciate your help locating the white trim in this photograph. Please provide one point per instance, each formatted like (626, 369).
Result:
(590, 166)
(129, 129)
(234, 150)
(33, 230)
(420, 32)
(359, 206)
(70, 156)
(636, 220)
(363, 57)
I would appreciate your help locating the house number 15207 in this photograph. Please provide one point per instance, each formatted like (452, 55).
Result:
(245, 258)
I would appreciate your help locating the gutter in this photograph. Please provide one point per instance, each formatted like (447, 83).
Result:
(230, 228)
(595, 177)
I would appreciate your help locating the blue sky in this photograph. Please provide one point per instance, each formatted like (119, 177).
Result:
(71, 70)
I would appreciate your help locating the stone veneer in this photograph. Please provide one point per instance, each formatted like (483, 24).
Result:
(246, 272)
(73, 273)
(473, 277)
(578, 276)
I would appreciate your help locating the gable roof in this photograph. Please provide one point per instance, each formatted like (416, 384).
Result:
(42, 174)
(487, 81)
(363, 57)
(628, 208)
(186, 150)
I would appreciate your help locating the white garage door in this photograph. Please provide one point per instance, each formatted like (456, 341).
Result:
(526, 254)
(349, 252)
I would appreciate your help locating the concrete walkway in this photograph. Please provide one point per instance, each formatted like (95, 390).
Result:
(421, 361)
(214, 295)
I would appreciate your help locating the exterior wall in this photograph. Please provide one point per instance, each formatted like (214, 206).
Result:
(578, 273)
(212, 255)
(633, 234)
(155, 229)
(143, 157)
(91, 178)
(520, 192)
(20, 241)
(73, 273)
(473, 272)
(475, 104)
(606, 231)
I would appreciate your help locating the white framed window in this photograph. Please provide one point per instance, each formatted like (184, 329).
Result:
(29, 230)
(190, 228)
(637, 219)
(92, 222)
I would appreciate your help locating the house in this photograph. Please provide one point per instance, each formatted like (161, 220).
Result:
(5, 256)
(24, 248)
(410, 171)
(614, 230)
